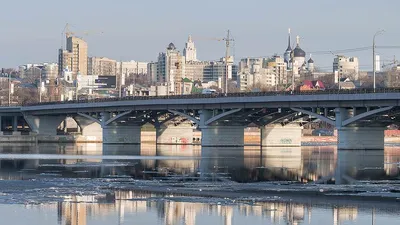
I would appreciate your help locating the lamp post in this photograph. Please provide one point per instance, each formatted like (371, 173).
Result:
(9, 89)
(373, 55)
(40, 83)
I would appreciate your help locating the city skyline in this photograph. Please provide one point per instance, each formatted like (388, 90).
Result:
(257, 35)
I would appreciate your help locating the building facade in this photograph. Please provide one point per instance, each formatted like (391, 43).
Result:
(152, 71)
(347, 67)
(101, 66)
(262, 72)
(131, 67)
(79, 50)
(64, 61)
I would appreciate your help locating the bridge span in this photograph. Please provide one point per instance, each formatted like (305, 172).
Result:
(360, 117)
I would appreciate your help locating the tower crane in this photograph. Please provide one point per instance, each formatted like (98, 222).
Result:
(69, 33)
(392, 63)
(228, 40)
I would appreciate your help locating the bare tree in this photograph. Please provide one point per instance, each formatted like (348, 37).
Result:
(328, 80)
(26, 95)
(392, 78)
(140, 79)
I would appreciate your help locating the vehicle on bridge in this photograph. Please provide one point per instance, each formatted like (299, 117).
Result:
(208, 91)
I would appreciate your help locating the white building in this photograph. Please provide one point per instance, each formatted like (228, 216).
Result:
(299, 59)
(131, 67)
(101, 66)
(346, 67)
(190, 50)
(48, 71)
(262, 72)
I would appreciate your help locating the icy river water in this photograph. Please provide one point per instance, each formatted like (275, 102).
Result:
(185, 185)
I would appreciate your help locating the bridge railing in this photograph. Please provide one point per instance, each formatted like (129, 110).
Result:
(230, 95)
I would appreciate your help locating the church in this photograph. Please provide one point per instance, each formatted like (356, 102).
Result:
(296, 58)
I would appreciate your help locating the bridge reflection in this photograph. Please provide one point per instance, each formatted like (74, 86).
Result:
(240, 164)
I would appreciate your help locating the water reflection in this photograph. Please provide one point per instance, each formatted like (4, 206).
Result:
(245, 164)
(127, 207)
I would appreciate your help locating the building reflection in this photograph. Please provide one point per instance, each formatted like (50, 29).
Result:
(241, 164)
(77, 210)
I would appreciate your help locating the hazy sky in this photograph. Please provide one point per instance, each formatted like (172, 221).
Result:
(139, 30)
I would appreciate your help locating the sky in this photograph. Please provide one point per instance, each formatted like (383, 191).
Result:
(31, 31)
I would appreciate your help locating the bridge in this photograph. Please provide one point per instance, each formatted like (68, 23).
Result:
(360, 117)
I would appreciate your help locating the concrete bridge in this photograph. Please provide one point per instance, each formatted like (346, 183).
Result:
(360, 117)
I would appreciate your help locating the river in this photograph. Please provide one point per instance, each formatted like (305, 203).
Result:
(175, 184)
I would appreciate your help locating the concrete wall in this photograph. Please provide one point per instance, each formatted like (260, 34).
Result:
(276, 136)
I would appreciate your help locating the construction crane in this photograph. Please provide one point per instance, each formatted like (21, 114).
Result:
(228, 40)
(68, 33)
(392, 63)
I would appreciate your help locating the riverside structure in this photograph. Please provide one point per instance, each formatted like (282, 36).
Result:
(360, 117)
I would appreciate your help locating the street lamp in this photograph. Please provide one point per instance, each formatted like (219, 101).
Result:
(40, 82)
(9, 89)
(373, 55)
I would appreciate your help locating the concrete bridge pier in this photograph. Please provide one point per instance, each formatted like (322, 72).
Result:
(361, 138)
(44, 125)
(121, 134)
(223, 136)
(91, 130)
(118, 132)
(279, 136)
(353, 137)
(216, 133)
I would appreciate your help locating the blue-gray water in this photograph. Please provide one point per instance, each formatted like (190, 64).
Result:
(96, 180)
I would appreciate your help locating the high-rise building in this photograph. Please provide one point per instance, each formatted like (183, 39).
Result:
(64, 61)
(346, 67)
(278, 68)
(152, 71)
(79, 50)
(190, 51)
(170, 67)
(101, 66)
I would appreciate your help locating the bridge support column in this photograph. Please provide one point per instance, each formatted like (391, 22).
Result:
(174, 134)
(91, 130)
(278, 136)
(358, 138)
(44, 125)
(223, 136)
(361, 138)
(214, 134)
(113, 134)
